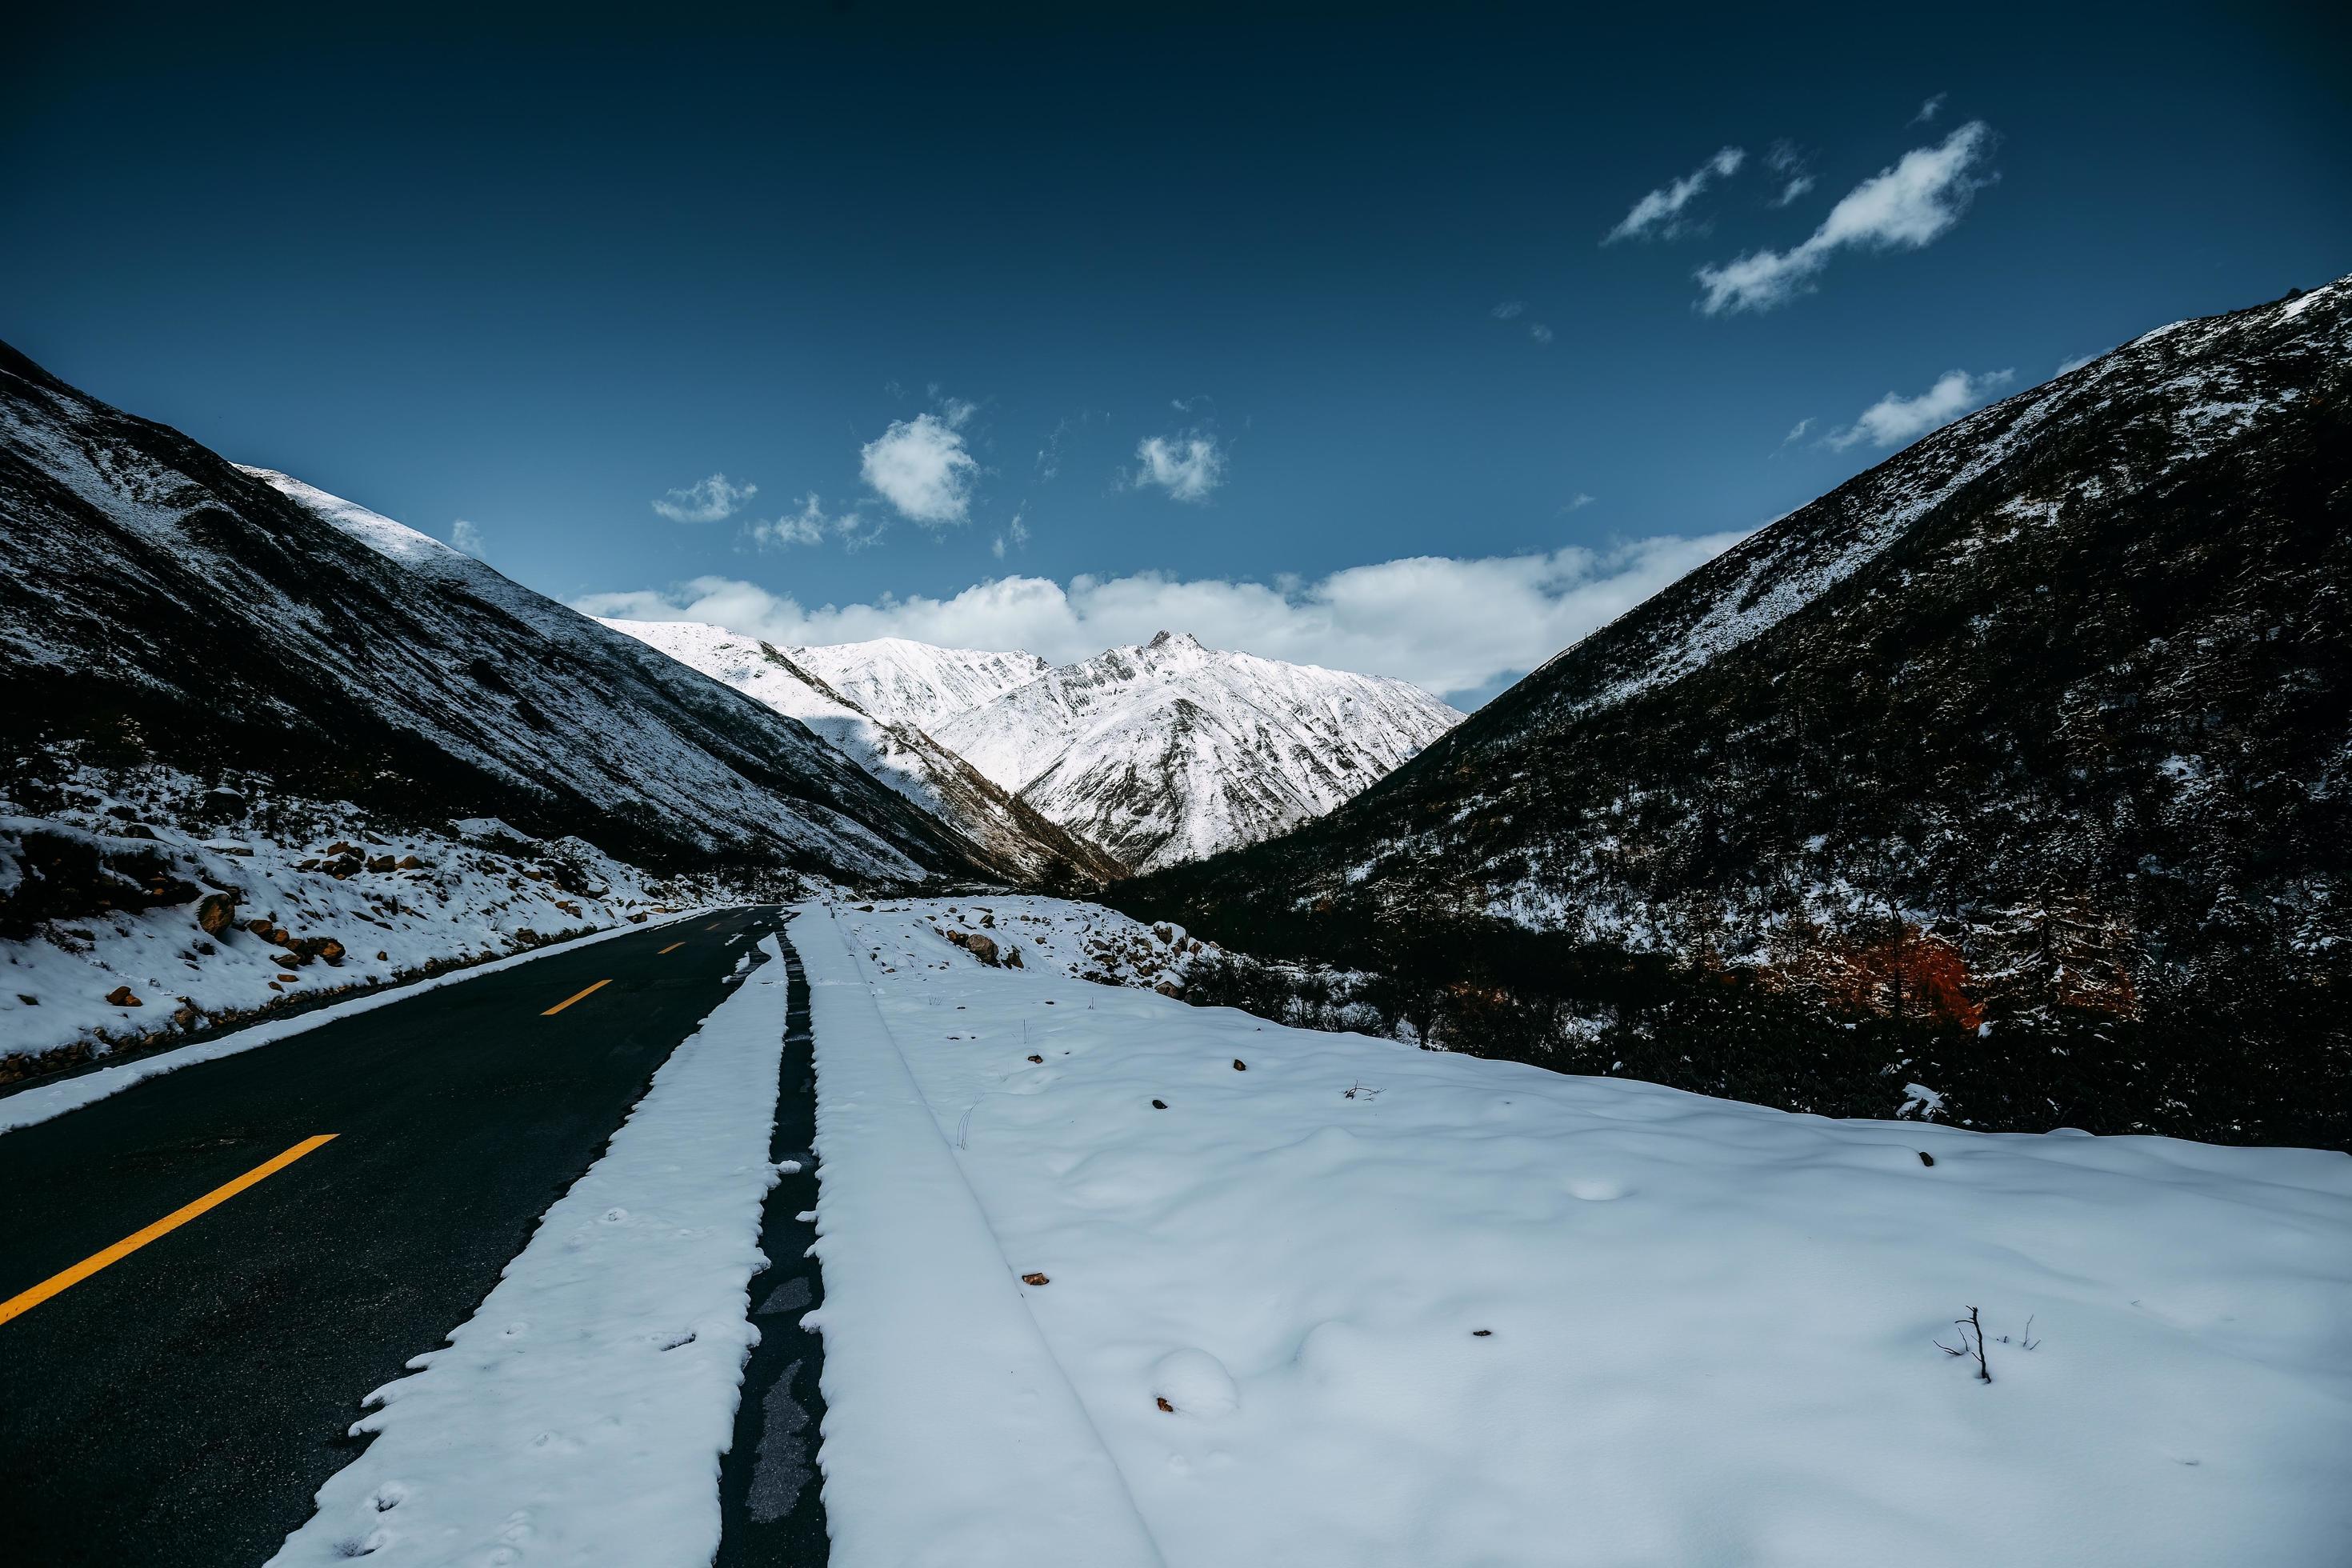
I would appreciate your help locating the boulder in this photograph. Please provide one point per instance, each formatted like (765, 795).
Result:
(216, 912)
(122, 997)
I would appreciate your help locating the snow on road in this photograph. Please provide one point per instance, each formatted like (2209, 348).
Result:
(579, 1416)
(1342, 1301)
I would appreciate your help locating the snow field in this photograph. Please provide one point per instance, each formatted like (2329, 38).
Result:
(579, 1416)
(1708, 1327)
(951, 1434)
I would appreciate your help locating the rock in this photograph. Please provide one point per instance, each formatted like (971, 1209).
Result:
(1167, 988)
(1162, 1401)
(639, 919)
(135, 830)
(1034, 1280)
(980, 947)
(410, 863)
(382, 863)
(338, 848)
(1038, 1059)
(1013, 959)
(1925, 1158)
(988, 920)
(381, 956)
(1159, 1105)
(1240, 1066)
(122, 997)
(257, 926)
(221, 804)
(216, 912)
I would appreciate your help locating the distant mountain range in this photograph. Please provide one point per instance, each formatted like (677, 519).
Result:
(1171, 751)
(898, 753)
(2010, 776)
(1157, 753)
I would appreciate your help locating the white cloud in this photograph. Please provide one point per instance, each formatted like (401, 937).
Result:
(2076, 364)
(1788, 161)
(809, 525)
(1904, 208)
(1929, 110)
(1894, 421)
(1509, 310)
(1580, 502)
(1659, 214)
(464, 538)
(1187, 467)
(919, 465)
(706, 500)
(1448, 625)
(1538, 331)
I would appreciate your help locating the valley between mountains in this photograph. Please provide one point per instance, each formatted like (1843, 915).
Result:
(485, 1083)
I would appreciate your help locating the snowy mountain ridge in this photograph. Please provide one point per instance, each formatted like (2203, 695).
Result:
(1170, 751)
(897, 753)
(901, 681)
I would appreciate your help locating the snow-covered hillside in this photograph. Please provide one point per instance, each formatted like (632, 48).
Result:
(143, 906)
(1198, 1290)
(913, 683)
(898, 754)
(1171, 751)
(160, 605)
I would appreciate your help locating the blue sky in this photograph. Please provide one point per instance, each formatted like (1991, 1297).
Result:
(1305, 333)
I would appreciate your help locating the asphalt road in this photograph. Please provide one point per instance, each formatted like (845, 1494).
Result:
(182, 1404)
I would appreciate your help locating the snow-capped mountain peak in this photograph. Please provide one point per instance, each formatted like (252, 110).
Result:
(1169, 750)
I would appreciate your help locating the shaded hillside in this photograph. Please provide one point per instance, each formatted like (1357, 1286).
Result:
(2014, 769)
(159, 603)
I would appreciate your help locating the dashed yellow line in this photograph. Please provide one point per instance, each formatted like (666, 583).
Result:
(575, 997)
(712, 926)
(18, 1305)
(673, 947)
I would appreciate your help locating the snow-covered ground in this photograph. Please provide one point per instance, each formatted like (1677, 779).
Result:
(394, 903)
(1324, 1299)
(579, 1416)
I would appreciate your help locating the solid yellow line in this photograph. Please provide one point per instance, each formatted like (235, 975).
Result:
(567, 1002)
(16, 1306)
(673, 947)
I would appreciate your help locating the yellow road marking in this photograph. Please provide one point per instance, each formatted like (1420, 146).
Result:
(712, 926)
(673, 947)
(16, 1306)
(567, 1002)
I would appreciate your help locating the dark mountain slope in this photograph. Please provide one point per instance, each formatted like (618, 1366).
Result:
(2015, 768)
(157, 602)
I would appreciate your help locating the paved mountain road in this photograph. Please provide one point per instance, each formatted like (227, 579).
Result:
(182, 1403)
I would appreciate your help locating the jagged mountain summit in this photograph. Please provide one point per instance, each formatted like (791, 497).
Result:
(2013, 772)
(899, 754)
(1171, 751)
(160, 606)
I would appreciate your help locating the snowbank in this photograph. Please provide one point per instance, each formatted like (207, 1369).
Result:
(1407, 1308)
(951, 1434)
(580, 1415)
(395, 903)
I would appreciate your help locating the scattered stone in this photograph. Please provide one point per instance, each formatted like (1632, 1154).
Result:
(980, 947)
(1159, 1105)
(216, 912)
(1162, 1401)
(1240, 1066)
(1013, 959)
(381, 956)
(122, 997)
(410, 863)
(1034, 1280)
(1482, 1333)
(1038, 1059)
(382, 863)
(1925, 1158)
